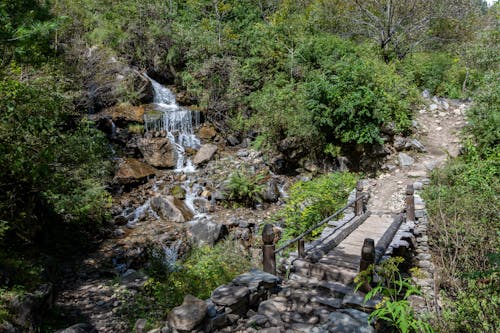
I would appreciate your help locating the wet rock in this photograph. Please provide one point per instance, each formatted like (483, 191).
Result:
(132, 171)
(171, 209)
(79, 328)
(405, 160)
(206, 231)
(207, 132)
(158, 152)
(189, 315)
(270, 193)
(343, 323)
(205, 154)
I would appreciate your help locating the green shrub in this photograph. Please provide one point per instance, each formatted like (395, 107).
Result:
(245, 188)
(204, 269)
(394, 311)
(311, 201)
(439, 72)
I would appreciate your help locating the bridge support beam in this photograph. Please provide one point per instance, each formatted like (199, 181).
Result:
(359, 204)
(410, 203)
(268, 255)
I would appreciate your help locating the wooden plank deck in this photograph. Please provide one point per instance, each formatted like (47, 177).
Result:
(348, 252)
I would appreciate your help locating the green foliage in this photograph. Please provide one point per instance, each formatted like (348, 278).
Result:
(205, 269)
(484, 116)
(464, 228)
(473, 308)
(439, 72)
(311, 201)
(394, 310)
(245, 187)
(50, 165)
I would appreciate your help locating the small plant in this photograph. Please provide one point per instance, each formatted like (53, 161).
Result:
(136, 128)
(311, 201)
(394, 310)
(245, 188)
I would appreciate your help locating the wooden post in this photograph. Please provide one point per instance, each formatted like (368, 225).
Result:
(300, 248)
(268, 255)
(367, 254)
(358, 205)
(410, 203)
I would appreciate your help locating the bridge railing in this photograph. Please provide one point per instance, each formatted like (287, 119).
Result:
(268, 236)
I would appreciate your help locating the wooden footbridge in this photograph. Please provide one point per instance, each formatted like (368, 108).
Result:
(347, 245)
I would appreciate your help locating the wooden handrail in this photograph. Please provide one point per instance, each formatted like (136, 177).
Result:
(311, 229)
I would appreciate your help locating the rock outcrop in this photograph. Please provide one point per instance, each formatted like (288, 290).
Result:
(159, 152)
(132, 171)
(205, 154)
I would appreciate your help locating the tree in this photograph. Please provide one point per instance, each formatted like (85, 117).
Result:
(399, 26)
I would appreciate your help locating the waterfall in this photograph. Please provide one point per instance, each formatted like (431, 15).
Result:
(177, 122)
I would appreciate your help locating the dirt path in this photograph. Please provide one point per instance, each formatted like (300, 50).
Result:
(437, 129)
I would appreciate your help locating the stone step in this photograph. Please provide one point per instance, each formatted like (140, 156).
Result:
(324, 272)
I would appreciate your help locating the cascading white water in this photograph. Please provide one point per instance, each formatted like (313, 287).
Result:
(176, 121)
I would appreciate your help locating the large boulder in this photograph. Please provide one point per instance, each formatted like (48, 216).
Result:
(207, 132)
(186, 317)
(205, 154)
(234, 297)
(122, 114)
(206, 231)
(158, 152)
(171, 209)
(132, 171)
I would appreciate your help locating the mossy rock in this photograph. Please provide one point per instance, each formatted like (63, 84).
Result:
(178, 192)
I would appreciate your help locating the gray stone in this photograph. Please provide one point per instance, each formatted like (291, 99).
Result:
(433, 107)
(206, 231)
(158, 152)
(171, 209)
(430, 165)
(399, 143)
(140, 325)
(234, 297)
(418, 186)
(343, 323)
(189, 315)
(357, 301)
(205, 153)
(426, 94)
(79, 328)
(334, 303)
(258, 320)
(273, 311)
(415, 145)
(256, 278)
(405, 160)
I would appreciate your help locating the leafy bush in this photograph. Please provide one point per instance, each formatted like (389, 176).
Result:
(53, 162)
(484, 116)
(204, 269)
(245, 188)
(311, 201)
(394, 311)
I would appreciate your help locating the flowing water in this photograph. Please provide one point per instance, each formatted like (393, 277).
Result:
(176, 121)
(177, 124)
